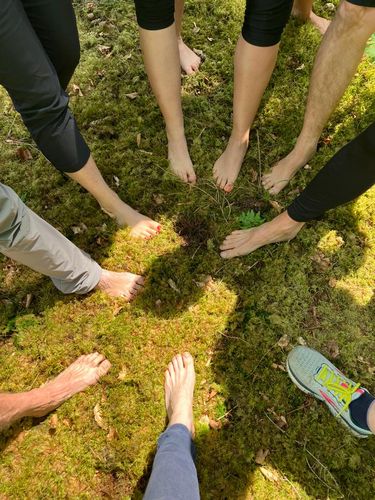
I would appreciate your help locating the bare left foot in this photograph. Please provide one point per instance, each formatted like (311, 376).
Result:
(320, 23)
(179, 159)
(179, 389)
(228, 166)
(84, 372)
(189, 60)
(245, 241)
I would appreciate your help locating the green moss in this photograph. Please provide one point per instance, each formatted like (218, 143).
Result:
(231, 322)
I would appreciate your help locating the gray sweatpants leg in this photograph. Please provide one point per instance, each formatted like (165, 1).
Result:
(28, 239)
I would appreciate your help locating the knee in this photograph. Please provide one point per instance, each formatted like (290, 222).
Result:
(154, 14)
(265, 21)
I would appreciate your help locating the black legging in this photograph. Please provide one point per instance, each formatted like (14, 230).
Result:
(39, 51)
(263, 24)
(347, 175)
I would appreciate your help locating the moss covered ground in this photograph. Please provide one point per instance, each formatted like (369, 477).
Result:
(230, 315)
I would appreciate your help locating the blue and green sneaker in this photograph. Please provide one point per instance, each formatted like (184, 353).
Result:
(316, 375)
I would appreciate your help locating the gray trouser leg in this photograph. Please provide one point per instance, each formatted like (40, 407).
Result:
(28, 239)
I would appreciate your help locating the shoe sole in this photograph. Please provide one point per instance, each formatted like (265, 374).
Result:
(304, 389)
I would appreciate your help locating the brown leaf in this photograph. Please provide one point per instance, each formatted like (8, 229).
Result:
(321, 261)
(213, 393)
(301, 341)
(24, 154)
(112, 434)
(105, 50)
(196, 29)
(173, 285)
(132, 95)
(123, 374)
(54, 421)
(29, 298)
(281, 421)
(333, 349)
(159, 199)
(261, 456)
(98, 417)
(253, 175)
(117, 180)
(215, 424)
(276, 205)
(77, 90)
(269, 474)
(283, 341)
(139, 139)
(276, 366)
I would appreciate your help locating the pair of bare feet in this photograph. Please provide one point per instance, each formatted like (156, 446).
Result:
(85, 372)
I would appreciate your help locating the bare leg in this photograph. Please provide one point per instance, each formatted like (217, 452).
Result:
(91, 179)
(245, 241)
(189, 60)
(337, 59)
(179, 389)
(302, 9)
(160, 52)
(85, 371)
(253, 67)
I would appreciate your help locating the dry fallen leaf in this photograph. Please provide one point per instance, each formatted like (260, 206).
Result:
(205, 419)
(105, 50)
(139, 138)
(123, 373)
(283, 341)
(112, 434)
(333, 349)
(159, 199)
(173, 285)
(215, 424)
(24, 154)
(29, 298)
(98, 417)
(261, 456)
(54, 421)
(276, 205)
(321, 260)
(269, 474)
(196, 29)
(301, 341)
(253, 175)
(281, 421)
(77, 90)
(132, 95)
(117, 180)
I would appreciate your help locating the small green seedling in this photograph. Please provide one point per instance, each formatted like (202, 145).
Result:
(250, 219)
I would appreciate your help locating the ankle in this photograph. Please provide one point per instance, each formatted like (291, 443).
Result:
(239, 137)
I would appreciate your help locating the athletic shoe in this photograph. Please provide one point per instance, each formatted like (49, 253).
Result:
(316, 375)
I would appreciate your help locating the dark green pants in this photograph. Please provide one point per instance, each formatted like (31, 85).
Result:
(39, 51)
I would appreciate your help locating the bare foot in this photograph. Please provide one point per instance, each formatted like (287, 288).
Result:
(304, 14)
(142, 226)
(320, 23)
(84, 372)
(228, 166)
(179, 159)
(189, 60)
(281, 173)
(245, 241)
(179, 390)
(126, 285)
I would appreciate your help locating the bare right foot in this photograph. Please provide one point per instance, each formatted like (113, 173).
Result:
(245, 241)
(126, 285)
(179, 159)
(281, 173)
(228, 166)
(179, 390)
(141, 226)
(84, 372)
(189, 60)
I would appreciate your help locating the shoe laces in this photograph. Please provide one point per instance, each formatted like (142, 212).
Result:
(341, 388)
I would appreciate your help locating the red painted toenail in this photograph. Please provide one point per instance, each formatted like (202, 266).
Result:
(158, 229)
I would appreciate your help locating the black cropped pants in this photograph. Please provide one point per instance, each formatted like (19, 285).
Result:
(39, 51)
(347, 175)
(263, 24)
